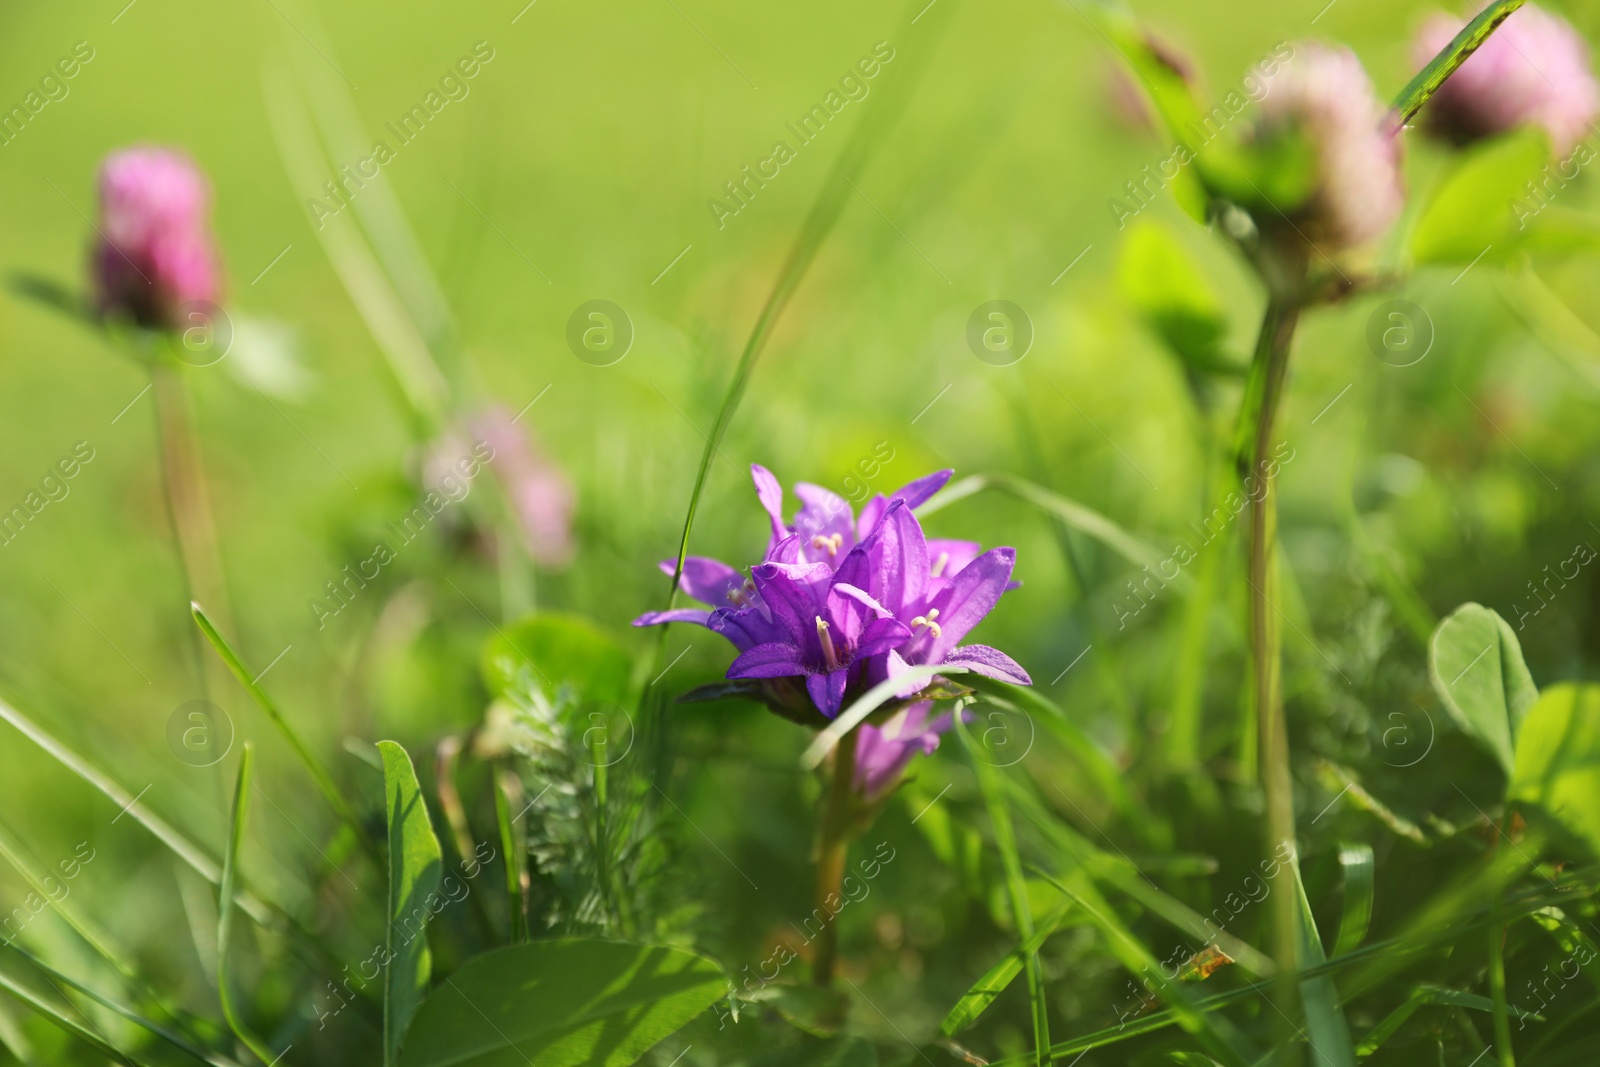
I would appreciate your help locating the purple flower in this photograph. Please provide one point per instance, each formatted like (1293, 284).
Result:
(156, 251)
(1323, 98)
(1533, 71)
(839, 604)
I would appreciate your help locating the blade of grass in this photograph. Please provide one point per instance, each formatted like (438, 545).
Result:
(176, 1040)
(516, 902)
(1330, 1033)
(1356, 862)
(1427, 81)
(230, 870)
(1215, 1033)
(865, 140)
(1423, 995)
(318, 772)
(865, 705)
(995, 981)
(1016, 887)
(1120, 872)
(1073, 514)
(415, 863)
(63, 1021)
(182, 846)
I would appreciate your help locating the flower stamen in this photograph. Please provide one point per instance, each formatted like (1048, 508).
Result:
(831, 542)
(928, 619)
(939, 564)
(829, 655)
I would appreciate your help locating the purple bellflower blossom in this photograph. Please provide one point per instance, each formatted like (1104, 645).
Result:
(839, 604)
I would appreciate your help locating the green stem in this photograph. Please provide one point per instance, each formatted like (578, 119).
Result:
(1272, 357)
(1497, 971)
(833, 845)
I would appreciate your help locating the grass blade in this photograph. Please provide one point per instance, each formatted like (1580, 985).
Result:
(1422, 996)
(1330, 1033)
(318, 773)
(1016, 888)
(996, 979)
(1073, 514)
(230, 870)
(415, 866)
(64, 1021)
(1469, 40)
(185, 849)
(516, 901)
(868, 136)
(1356, 860)
(865, 705)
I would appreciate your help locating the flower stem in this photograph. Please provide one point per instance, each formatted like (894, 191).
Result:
(183, 477)
(1272, 357)
(834, 843)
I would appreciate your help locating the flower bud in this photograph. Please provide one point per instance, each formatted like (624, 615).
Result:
(155, 251)
(1321, 106)
(1533, 70)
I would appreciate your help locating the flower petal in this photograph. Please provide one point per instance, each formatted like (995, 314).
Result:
(827, 691)
(776, 659)
(913, 493)
(770, 493)
(698, 616)
(970, 596)
(949, 558)
(989, 662)
(707, 580)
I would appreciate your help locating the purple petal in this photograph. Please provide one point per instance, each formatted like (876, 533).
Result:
(770, 493)
(824, 516)
(948, 558)
(913, 493)
(707, 580)
(882, 752)
(968, 598)
(989, 662)
(777, 659)
(745, 628)
(827, 691)
(881, 635)
(698, 616)
(791, 593)
(901, 555)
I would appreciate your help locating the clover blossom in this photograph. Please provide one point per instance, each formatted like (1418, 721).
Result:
(1533, 71)
(1323, 104)
(155, 252)
(839, 604)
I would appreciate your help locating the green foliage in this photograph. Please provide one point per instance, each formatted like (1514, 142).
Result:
(1471, 212)
(1557, 768)
(414, 874)
(555, 651)
(1161, 281)
(562, 1003)
(1475, 663)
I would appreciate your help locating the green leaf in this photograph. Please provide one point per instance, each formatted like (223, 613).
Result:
(1329, 1035)
(557, 650)
(1477, 670)
(1473, 210)
(230, 872)
(1161, 281)
(414, 867)
(1356, 861)
(997, 978)
(1469, 40)
(314, 766)
(1423, 995)
(1558, 760)
(574, 1002)
(1005, 839)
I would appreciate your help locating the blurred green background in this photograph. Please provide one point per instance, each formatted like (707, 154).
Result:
(577, 168)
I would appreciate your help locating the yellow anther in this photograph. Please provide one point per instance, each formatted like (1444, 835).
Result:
(830, 542)
(928, 621)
